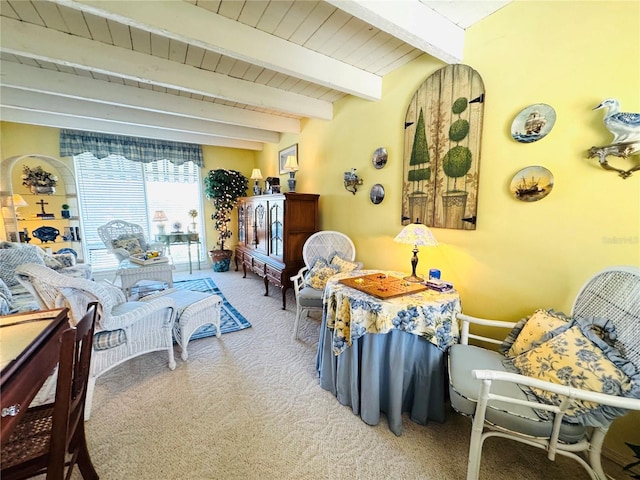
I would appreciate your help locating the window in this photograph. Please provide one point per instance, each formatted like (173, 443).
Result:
(116, 188)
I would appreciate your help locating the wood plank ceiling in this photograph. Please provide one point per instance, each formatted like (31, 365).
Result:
(215, 72)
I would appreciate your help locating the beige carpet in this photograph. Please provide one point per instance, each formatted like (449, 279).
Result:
(248, 406)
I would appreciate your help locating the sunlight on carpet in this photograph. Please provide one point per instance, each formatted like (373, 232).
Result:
(231, 320)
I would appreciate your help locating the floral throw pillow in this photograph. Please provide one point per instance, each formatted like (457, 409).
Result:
(344, 265)
(578, 358)
(320, 273)
(539, 326)
(131, 245)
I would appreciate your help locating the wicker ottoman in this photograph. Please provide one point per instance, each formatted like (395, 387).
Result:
(195, 309)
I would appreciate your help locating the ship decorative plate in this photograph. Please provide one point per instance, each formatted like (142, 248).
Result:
(532, 184)
(46, 234)
(533, 123)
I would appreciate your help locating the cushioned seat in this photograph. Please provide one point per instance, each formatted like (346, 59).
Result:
(466, 358)
(310, 297)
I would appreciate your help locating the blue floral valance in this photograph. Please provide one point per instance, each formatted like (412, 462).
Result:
(74, 142)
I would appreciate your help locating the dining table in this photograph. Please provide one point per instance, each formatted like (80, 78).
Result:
(29, 353)
(387, 354)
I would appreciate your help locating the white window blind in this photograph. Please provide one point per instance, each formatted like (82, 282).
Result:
(113, 188)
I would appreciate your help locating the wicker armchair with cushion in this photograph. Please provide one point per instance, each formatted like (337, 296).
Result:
(123, 239)
(557, 382)
(325, 253)
(126, 329)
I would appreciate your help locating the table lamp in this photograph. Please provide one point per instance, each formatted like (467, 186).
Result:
(256, 175)
(160, 217)
(18, 201)
(291, 166)
(416, 234)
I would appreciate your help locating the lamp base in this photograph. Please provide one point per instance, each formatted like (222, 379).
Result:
(414, 279)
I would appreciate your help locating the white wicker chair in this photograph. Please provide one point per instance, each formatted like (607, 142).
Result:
(319, 245)
(126, 330)
(120, 229)
(480, 387)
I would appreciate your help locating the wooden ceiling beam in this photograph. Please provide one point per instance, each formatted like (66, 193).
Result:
(32, 41)
(412, 22)
(200, 27)
(67, 85)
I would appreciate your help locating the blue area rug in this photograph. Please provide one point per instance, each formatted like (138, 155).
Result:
(231, 320)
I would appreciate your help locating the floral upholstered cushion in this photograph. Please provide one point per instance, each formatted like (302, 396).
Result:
(344, 265)
(130, 244)
(540, 325)
(319, 273)
(578, 358)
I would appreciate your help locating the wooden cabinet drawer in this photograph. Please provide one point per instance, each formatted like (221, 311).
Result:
(274, 275)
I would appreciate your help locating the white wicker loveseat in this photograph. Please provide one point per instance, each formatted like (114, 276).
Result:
(126, 329)
(14, 297)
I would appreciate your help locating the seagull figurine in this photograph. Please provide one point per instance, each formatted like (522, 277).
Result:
(625, 127)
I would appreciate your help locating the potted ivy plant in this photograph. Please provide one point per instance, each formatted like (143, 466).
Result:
(223, 187)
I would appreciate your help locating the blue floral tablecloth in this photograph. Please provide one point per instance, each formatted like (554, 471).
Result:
(352, 314)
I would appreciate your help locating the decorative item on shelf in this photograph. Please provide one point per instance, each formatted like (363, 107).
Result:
(193, 226)
(46, 234)
(291, 166)
(416, 234)
(65, 212)
(380, 157)
(256, 175)
(39, 180)
(223, 188)
(351, 181)
(272, 185)
(160, 217)
(18, 202)
(24, 236)
(44, 215)
(625, 128)
(177, 227)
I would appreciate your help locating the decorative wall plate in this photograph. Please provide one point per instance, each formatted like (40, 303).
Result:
(532, 184)
(380, 157)
(376, 194)
(533, 123)
(46, 234)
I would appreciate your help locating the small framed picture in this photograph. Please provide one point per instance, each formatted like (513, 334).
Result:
(291, 151)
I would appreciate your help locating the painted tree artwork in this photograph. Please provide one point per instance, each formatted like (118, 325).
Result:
(443, 128)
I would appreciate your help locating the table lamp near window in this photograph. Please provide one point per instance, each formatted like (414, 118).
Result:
(256, 175)
(416, 234)
(160, 217)
(291, 166)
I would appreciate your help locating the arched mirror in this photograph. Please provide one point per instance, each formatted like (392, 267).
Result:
(380, 157)
(376, 194)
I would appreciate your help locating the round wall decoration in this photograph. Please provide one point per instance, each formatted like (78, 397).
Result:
(533, 123)
(380, 157)
(532, 184)
(376, 194)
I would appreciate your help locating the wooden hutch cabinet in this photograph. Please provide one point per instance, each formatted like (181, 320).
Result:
(272, 230)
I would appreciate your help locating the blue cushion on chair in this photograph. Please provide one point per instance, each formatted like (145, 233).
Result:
(310, 297)
(464, 390)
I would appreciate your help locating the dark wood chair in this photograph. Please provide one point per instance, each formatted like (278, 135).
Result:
(47, 432)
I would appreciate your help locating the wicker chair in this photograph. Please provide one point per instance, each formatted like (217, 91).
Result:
(321, 244)
(46, 432)
(126, 330)
(501, 402)
(118, 230)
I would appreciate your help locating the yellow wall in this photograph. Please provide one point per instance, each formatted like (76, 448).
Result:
(522, 256)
